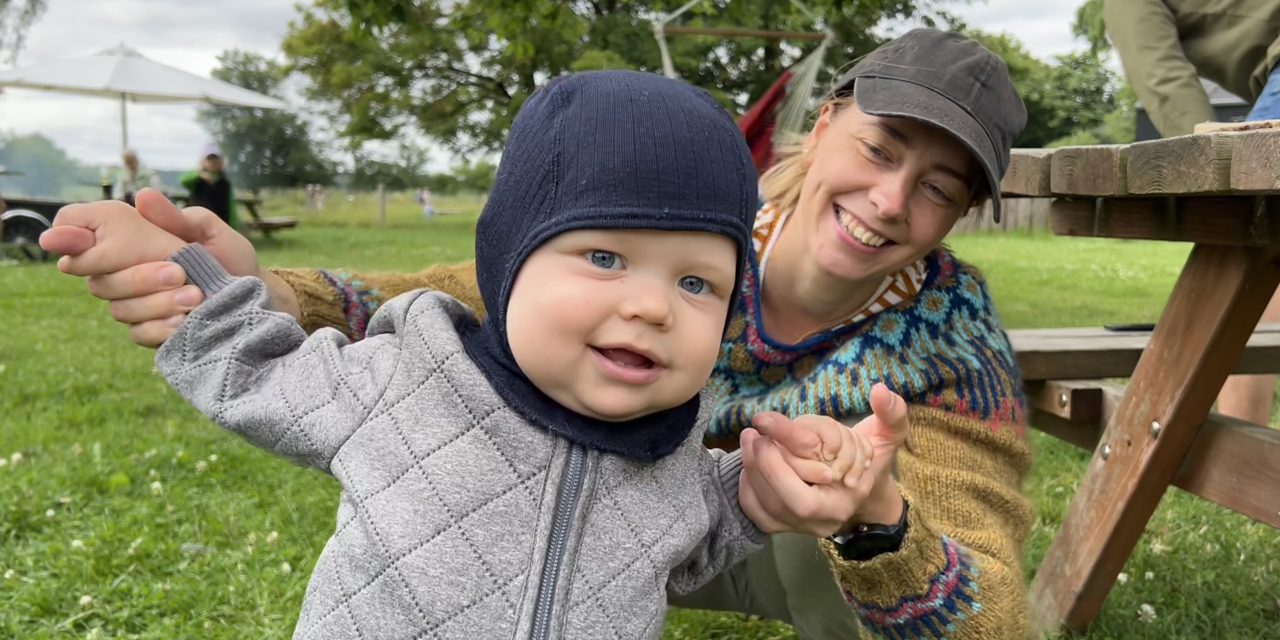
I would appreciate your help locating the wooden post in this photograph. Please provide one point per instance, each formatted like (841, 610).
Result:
(382, 205)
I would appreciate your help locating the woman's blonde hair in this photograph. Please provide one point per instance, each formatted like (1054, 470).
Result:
(781, 184)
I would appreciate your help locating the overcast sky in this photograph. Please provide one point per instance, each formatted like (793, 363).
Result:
(190, 35)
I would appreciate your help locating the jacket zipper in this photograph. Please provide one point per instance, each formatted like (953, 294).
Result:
(566, 504)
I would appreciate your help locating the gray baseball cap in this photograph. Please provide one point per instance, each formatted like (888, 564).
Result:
(948, 81)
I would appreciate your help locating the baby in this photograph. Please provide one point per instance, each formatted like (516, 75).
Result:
(539, 474)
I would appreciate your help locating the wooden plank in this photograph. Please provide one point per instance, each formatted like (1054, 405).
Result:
(1028, 173)
(1255, 161)
(1220, 220)
(1251, 125)
(1094, 354)
(1232, 463)
(1193, 164)
(1097, 170)
(1213, 309)
(1235, 464)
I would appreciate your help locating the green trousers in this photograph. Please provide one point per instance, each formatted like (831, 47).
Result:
(788, 580)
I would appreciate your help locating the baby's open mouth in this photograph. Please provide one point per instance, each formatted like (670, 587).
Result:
(626, 358)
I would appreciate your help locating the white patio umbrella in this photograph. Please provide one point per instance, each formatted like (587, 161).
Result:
(124, 74)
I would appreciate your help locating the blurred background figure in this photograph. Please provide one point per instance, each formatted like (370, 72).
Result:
(424, 199)
(133, 177)
(209, 187)
(1165, 47)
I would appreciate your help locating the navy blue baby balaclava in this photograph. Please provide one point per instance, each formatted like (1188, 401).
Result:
(605, 150)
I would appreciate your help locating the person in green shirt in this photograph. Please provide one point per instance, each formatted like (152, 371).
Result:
(211, 188)
(1165, 47)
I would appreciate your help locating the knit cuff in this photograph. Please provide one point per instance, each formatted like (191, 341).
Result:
(885, 578)
(320, 304)
(729, 470)
(202, 269)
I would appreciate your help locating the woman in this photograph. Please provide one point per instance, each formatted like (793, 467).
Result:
(849, 286)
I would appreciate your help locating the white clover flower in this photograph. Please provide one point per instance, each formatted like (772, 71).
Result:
(49, 513)
(16, 458)
(4, 461)
(202, 466)
(1149, 575)
(272, 537)
(213, 457)
(157, 488)
(64, 500)
(9, 575)
(151, 453)
(1147, 613)
(86, 601)
(1059, 489)
(1123, 578)
(95, 634)
(153, 474)
(1158, 548)
(285, 568)
(77, 544)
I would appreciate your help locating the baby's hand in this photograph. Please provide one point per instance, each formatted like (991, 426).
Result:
(112, 234)
(820, 449)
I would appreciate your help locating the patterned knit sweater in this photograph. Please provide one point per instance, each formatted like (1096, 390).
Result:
(958, 574)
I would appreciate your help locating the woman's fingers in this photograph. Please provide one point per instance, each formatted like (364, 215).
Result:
(138, 280)
(153, 333)
(67, 241)
(155, 306)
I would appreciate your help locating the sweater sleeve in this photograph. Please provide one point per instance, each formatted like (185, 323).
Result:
(346, 301)
(731, 535)
(256, 373)
(1145, 35)
(958, 574)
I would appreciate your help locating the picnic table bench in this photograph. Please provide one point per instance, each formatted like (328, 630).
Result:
(256, 221)
(1219, 189)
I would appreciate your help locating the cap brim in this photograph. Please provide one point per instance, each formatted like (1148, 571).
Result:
(889, 97)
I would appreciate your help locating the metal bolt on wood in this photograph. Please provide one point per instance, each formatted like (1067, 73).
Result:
(1155, 429)
(1062, 400)
(1106, 451)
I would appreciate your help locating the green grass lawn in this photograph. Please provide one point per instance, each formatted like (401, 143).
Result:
(124, 514)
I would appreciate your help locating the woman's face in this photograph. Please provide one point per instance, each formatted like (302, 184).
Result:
(879, 193)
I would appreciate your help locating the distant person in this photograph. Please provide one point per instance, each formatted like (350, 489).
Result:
(211, 188)
(133, 177)
(1166, 46)
(424, 199)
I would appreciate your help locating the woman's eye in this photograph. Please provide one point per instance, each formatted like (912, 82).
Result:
(938, 194)
(605, 259)
(693, 284)
(876, 152)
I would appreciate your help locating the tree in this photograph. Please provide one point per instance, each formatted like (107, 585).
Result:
(15, 17)
(457, 71)
(263, 147)
(1075, 94)
(46, 169)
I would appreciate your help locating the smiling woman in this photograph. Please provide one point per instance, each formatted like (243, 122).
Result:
(847, 287)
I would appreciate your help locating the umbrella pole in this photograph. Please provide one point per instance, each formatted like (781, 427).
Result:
(124, 125)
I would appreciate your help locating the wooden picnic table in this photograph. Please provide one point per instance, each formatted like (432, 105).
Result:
(1218, 189)
(256, 221)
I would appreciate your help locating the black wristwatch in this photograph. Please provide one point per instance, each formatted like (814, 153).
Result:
(867, 541)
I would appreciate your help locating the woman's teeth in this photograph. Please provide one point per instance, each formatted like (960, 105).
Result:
(859, 232)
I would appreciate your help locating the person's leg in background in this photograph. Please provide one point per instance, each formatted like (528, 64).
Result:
(1250, 397)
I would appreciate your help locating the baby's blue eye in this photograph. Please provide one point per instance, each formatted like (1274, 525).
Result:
(693, 284)
(604, 259)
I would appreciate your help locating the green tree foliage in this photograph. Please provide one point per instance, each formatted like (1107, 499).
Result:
(15, 17)
(458, 70)
(1088, 25)
(263, 147)
(46, 170)
(1076, 94)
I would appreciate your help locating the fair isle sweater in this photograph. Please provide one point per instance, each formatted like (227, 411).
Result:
(958, 574)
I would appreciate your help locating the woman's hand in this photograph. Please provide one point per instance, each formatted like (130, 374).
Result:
(782, 490)
(144, 290)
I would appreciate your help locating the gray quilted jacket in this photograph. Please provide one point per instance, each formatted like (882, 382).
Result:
(457, 519)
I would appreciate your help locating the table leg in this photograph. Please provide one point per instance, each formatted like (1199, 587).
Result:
(1211, 312)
